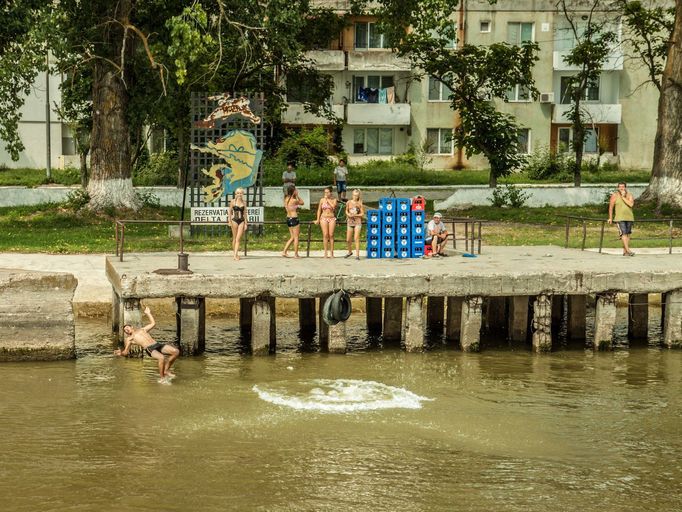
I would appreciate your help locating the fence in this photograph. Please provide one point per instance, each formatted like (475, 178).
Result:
(583, 222)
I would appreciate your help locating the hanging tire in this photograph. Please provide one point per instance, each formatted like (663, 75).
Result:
(341, 306)
(327, 311)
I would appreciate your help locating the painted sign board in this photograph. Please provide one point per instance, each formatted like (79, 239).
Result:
(215, 215)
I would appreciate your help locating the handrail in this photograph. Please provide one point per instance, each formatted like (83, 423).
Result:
(472, 232)
(582, 220)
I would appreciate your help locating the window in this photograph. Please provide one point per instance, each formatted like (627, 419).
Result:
(591, 144)
(524, 141)
(450, 38)
(591, 91)
(438, 91)
(485, 26)
(518, 93)
(298, 90)
(439, 141)
(371, 82)
(367, 35)
(373, 141)
(519, 33)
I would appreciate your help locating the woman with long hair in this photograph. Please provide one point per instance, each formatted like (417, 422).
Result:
(355, 210)
(326, 218)
(236, 216)
(292, 202)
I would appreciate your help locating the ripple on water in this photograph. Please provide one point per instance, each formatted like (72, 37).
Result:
(339, 395)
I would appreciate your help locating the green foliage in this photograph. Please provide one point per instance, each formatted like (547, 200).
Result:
(76, 200)
(509, 196)
(160, 169)
(415, 156)
(544, 164)
(149, 199)
(305, 147)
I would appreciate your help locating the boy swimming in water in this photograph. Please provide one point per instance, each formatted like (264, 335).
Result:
(158, 351)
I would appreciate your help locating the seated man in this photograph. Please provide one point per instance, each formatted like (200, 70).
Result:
(158, 351)
(436, 235)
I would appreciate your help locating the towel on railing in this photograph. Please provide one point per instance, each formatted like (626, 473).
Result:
(383, 97)
(390, 94)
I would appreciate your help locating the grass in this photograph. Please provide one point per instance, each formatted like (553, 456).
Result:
(36, 177)
(55, 229)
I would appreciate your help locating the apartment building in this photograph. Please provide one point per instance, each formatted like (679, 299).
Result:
(385, 105)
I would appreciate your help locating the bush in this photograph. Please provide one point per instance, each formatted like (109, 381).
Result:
(161, 169)
(305, 148)
(77, 200)
(149, 199)
(544, 164)
(509, 196)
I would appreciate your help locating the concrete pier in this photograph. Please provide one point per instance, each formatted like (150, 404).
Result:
(115, 312)
(577, 309)
(518, 319)
(604, 321)
(672, 325)
(542, 323)
(337, 338)
(638, 315)
(453, 318)
(373, 306)
(470, 329)
(306, 315)
(191, 324)
(393, 318)
(260, 329)
(322, 327)
(435, 312)
(414, 324)
(245, 315)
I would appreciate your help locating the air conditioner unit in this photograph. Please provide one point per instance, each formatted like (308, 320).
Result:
(546, 97)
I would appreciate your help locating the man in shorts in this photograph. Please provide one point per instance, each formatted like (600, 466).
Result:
(158, 351)
(340, 175)
(288, 178)
(622, 202)
(436, 235)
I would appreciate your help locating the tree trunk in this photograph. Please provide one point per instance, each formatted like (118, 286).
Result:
(492, 180)
(578, 143)
(110, 183)
(83, 155)
(665, 185)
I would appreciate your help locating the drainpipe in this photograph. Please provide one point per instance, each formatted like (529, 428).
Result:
(461, 35)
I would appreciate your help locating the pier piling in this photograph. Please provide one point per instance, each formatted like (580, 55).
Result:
(393, 318)
(453, 319)
(638, 315)
(518, 318)
(191, 324)
(260, 328)
(542, 323)
(672, 325)
(245, 315)
(306, 315)
(414, 323)
(322, 327)
(337, 338)
(115, 311)
(604, 321)
(470, 328)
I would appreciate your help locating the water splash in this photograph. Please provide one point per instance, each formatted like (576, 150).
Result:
(339, 396)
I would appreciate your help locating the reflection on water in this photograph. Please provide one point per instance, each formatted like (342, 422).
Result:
(502, 430)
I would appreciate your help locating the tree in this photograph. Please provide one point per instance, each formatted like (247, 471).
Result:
(423, 31)
(594, 42)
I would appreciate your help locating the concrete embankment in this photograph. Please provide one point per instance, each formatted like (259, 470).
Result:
(36, 318)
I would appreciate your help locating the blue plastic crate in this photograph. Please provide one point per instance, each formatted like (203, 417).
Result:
(417, 216)
(418, 230)
(404, 217)
(373, 242)
(387, 252)
(387, 204)
(403, 241)
(388, 217)
(403, 204)
(373, 253)
(403, 252)
(418, 240)
(403, 230)
(417, 251)
(387, 241)
(373, 216)
(387, 229)
(373, 229)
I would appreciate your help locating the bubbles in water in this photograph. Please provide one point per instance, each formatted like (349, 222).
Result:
(338, 396)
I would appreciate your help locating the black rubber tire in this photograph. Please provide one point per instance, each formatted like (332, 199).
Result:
(327, 311)
(341, 306)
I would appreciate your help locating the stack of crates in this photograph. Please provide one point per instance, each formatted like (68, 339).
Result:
(396, 229)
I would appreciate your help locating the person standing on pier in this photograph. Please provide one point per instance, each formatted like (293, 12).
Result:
(354, 213)
(158, 351)
(326, 218)
(236, 217)
(623, 202)
(436, 235)
(291, 204)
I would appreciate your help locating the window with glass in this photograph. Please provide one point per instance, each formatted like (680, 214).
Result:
(367, 36)
(373, 141)
(591, 144)
(519, 33)
(439, 141)
(524, 141)
(518, 93)
(485, 26)
(372, 82)
(438, 91)
(591, 92)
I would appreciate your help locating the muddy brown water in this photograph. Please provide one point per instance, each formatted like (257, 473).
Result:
(376, 429)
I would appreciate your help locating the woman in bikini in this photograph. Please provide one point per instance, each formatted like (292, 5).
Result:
(236, 216)
(355, 210)
(291, 204)
(326, 218)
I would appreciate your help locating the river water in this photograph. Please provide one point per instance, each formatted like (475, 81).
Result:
(377, 429)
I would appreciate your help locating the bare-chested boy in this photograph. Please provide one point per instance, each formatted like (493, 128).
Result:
(158, 351)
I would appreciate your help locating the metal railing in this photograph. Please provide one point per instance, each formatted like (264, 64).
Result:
(471, 229)
(583, 222)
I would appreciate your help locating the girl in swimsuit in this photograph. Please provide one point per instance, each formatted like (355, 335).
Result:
(291, 205)
(326, 218)
(354, 213)
(236, 216)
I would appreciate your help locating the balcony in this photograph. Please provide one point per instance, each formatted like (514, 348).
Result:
(614, 61)
(376, 60)
(327, 60)
(375, 114)
(597, 113)
(295, 114)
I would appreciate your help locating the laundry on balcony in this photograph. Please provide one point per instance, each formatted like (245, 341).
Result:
(368, 95)
(390, 94)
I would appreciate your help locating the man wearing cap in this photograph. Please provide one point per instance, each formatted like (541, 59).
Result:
(436, 235)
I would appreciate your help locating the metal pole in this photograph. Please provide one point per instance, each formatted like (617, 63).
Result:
(48, 135)
(601, 235)
(670, 237)
(584, 235)
(568, 227)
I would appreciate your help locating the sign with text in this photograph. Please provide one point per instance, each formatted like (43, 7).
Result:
(254, 215)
